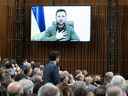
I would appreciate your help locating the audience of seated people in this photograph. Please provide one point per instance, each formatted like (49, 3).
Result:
(27, 80)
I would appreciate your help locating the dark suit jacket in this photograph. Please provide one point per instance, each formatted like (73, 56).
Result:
(51, 73)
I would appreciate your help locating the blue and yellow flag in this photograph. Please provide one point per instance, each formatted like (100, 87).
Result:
(38, 12)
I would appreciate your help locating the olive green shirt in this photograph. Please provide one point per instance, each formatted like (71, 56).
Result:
(50, 33)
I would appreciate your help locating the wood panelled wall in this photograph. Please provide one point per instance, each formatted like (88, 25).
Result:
(96, 56)
(85, 55)
(3, 27)
(124, 40)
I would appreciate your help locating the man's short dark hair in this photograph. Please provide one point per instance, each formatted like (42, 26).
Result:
(53, 55)
(61, 10)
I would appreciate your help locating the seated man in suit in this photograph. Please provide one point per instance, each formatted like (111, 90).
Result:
(61, 30)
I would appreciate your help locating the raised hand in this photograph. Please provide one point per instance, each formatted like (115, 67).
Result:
(61, 35)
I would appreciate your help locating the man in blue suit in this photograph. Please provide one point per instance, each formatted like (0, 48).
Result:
(51, 70)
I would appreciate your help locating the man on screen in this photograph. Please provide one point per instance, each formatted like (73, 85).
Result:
(61, 29)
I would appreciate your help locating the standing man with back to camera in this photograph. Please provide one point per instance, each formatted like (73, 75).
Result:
(61, 29)
(51, 70)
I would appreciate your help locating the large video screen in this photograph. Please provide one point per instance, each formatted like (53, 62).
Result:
(60, 23)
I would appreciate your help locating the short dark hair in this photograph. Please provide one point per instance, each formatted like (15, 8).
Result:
(61, 10)
(53, 55)
(80, 92)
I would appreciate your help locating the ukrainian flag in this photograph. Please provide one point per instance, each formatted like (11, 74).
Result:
(38, 12)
